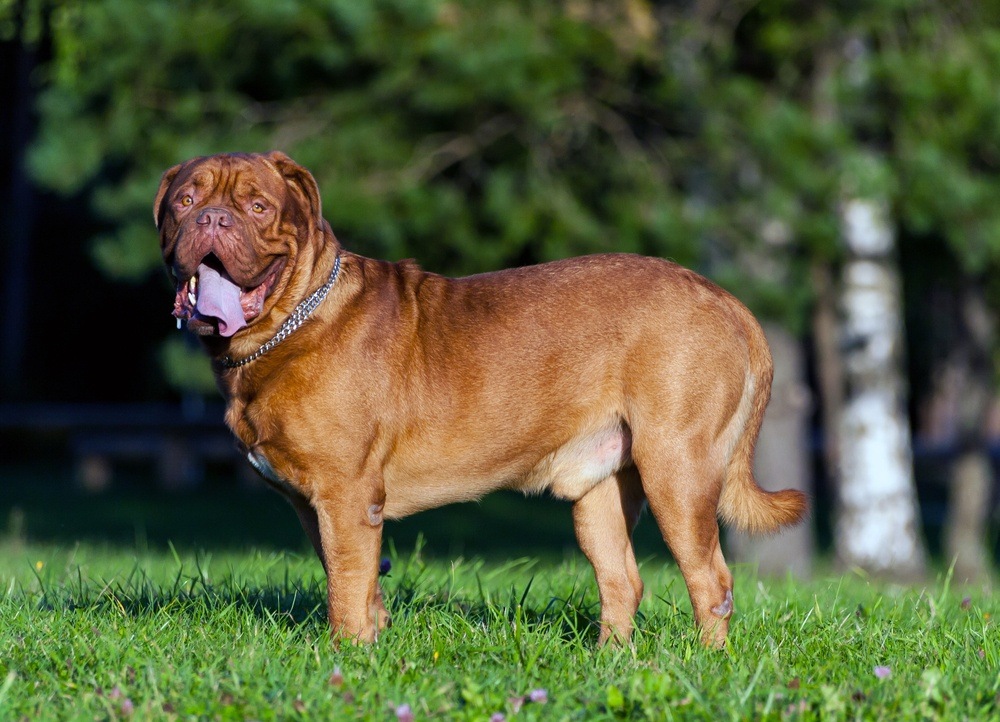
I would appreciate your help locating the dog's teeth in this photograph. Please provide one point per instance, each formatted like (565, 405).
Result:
(178, 324)
(192, 290)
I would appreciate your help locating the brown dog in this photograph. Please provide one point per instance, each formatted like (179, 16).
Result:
(365, 390)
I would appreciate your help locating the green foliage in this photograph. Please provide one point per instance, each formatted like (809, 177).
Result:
(946, 127)
(106, 633)
(22, 20)
(468, 135)
(483, 134)
(186, 367)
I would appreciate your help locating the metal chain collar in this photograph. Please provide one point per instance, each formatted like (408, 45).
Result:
(302, 312)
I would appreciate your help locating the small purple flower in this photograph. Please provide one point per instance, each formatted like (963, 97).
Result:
(498, 717)
(115, 693)
(539, 696)
(883, 672)
(128, 707)
(337, 678)
(404, 713)
(384, 566)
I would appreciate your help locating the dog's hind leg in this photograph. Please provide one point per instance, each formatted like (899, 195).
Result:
(604, 519)
(683, 492)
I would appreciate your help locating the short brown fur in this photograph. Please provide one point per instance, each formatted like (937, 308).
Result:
(610, 381)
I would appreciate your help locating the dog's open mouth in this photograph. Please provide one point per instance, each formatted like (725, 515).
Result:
(210, 301)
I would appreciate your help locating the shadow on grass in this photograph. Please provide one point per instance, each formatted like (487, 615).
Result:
(298, 601)
(289, 604)
(571, 613)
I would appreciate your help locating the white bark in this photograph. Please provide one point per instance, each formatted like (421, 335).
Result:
(878, 524)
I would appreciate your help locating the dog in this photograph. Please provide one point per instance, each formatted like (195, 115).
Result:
(365, 390)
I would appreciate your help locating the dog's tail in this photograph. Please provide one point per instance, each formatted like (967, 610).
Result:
(743, 504)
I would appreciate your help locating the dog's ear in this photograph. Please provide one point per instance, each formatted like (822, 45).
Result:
(301, 183)
(165, 182)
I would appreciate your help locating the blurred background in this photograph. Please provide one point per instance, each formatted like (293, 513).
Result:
(835, 165)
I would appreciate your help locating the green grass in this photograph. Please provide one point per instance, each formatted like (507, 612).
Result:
(101, 632)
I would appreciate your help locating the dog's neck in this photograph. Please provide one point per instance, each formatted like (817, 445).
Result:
(295, 319)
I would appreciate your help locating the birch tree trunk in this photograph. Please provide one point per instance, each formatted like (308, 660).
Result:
(878, 527)
(782, 461)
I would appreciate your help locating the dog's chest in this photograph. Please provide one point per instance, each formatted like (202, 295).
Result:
(237, 418)
(264, 467)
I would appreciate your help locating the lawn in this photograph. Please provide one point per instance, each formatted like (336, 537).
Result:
(100, 631)
(144, 604)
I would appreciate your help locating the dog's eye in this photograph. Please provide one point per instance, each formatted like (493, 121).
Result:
(187, 200)
(257, 207)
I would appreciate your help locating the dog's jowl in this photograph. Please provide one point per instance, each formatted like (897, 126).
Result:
(364, 390)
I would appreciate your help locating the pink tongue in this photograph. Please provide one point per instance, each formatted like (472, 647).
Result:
(219, 298)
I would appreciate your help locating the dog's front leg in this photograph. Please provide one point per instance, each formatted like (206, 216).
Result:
(350, 529)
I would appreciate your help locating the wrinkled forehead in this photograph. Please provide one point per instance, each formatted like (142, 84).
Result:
(232, 177)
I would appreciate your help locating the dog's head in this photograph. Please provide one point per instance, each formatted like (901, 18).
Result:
(232, 228)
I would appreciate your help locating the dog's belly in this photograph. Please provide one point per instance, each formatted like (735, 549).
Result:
(568, 472)
(577, 466)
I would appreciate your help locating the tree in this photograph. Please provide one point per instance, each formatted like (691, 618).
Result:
(969, 365)
(939, 73)
(889, 107)
(878, 525)
(731, 138)
(399, 108)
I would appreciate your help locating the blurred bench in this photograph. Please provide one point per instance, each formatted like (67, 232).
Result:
(180, 439)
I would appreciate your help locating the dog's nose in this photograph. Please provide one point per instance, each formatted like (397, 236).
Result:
(215, 218)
